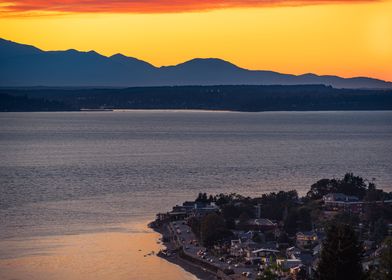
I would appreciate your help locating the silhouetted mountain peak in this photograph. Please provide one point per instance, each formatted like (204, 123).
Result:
(207, 62)
(118, 57)
(11, 49)
(73, 51)
(121, 57)
(309, 75)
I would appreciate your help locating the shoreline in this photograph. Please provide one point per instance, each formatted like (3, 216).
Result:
(181, 110)
(113, 255)
(198, 271)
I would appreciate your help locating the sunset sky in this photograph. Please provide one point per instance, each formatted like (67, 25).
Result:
(346, 38)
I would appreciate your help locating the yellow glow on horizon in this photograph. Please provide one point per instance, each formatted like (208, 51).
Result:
(346, 40)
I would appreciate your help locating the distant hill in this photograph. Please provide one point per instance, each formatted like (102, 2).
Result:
(24, 65)
(12, 103)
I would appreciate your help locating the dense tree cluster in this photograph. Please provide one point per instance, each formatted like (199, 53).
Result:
(213, 229)
(348, 185)
(275, 205)
(10, 103)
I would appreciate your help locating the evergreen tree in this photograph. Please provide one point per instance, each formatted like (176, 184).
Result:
(380, 230)
(305, 219)
(386, 260)
(340, 255)
(194, 224)
(202, 197)
(243, 220)
(290, 223)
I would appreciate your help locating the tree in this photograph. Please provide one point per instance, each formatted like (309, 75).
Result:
(267, 275)
(243, 220)
(348, 185)
(340, 255)
(305, 219)
(386, 260)
(257, 238)
(321, 188)
(345, 218)
(373, 194)
(380, 230)
(283, 238)
(352, 185)
(202, 197)
(230, 223)
(231, 211)
(194, 224)
(384, 270)
(213, 229)
(372, 212)
(302, 275)
(274, 205)
(222, 199)
(290, 223)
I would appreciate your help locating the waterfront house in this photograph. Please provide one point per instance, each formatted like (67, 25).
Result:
(288, 263)
(262, 255)
(200, 209)
(333, 197)
(342, 202)
(178, 215)
(162, 217)
(306, 239)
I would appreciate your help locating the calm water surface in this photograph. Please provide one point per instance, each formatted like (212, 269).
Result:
(67, 177)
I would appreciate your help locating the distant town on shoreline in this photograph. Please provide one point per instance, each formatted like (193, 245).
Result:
(340, 230)
(225, 97)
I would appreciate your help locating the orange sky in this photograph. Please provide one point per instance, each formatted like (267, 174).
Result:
(346, 38)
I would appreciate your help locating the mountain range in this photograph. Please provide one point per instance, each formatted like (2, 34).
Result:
(24, 66)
